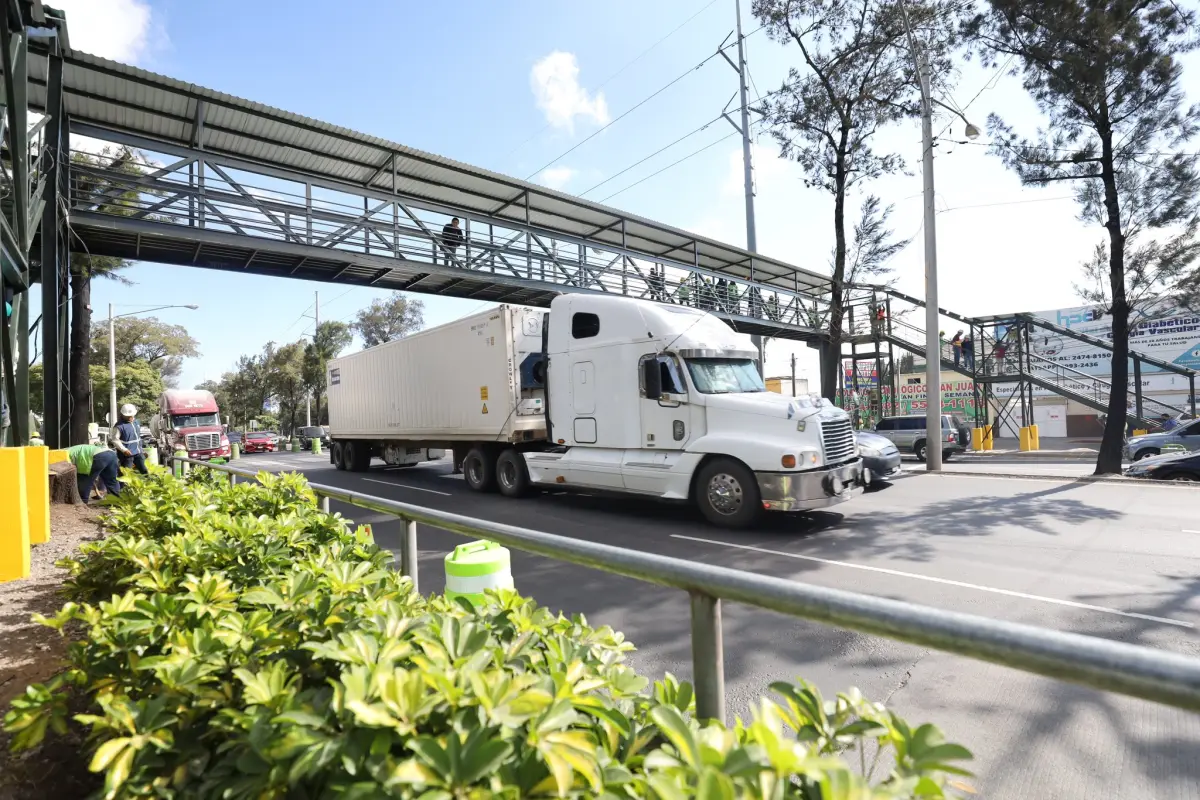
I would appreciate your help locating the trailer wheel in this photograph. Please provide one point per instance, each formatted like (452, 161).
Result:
(479, 470)
(727, 493)
(338, 456)
(512, 475)
(357, 456)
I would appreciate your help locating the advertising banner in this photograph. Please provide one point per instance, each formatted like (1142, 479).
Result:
(1161, 332)
(958, 397)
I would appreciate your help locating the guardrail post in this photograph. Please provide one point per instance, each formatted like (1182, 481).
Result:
(408, 552)
(325, 504)
(708, 657)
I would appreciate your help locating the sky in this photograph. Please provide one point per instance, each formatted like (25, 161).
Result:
(510, 86)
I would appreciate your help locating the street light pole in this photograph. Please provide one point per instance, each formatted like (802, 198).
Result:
(112, 373)
(933, 340)
(748, 168)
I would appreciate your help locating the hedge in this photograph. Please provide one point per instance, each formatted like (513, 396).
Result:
(236, 642)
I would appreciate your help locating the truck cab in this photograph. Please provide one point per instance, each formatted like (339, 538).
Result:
(189, 420)
(667, 401)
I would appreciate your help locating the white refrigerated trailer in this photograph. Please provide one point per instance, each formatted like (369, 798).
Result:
(600, 393)
(444, 388)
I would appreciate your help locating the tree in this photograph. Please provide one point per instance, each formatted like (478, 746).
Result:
(385, 320)
(162, 345)
(137, 382)
(285, 377)
(1106, 74)
(857, 78)
(330, 339)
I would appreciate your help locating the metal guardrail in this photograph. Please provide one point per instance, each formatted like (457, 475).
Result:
(1133, 670)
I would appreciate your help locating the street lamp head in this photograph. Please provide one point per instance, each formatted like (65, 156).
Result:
(193, 308)
(972, 132)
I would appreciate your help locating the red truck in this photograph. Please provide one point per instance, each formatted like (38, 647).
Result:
(189, 419)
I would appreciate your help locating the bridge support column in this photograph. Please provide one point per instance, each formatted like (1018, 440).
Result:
(54, 257)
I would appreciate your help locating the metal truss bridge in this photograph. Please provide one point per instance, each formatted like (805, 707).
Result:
(195, 177)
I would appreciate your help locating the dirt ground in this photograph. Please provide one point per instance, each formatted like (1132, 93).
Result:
(30, 653)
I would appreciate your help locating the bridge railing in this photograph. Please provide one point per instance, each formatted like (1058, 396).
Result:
(207, 192)
(1097, 663)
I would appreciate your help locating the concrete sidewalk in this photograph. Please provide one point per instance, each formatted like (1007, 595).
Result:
(1050, 448)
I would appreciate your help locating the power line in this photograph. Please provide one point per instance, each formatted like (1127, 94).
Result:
(685, 137)
(628, 64)
(672, 164)
(594, 134)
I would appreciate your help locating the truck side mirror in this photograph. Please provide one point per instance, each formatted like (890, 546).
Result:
(652, 379)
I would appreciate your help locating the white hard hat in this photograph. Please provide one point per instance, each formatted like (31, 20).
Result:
(129, 410)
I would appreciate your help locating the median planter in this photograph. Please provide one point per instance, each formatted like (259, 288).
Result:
(236, 641)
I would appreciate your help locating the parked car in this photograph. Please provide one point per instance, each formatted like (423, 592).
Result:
(258, 442)
(908, 434)
(1170, 467)
(1187, 435)
(310, 432)
(879, 455)
(234, 437)
(274, 437)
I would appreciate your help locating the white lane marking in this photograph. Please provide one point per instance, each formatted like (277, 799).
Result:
(457, 477)
(406, 486)
(946, 582)
(1185, 530)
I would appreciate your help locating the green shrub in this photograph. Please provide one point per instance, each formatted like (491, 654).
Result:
(235, 642)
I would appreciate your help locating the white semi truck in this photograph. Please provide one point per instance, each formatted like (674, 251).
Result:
(598, 394)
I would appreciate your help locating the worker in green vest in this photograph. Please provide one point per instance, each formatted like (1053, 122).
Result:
(93, 461)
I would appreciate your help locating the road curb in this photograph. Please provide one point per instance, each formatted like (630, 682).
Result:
(1071, 478)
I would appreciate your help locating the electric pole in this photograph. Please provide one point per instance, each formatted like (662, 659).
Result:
(933, 343)
(747, 164)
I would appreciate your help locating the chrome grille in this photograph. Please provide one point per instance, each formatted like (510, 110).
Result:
(837, 438)
(203, 441)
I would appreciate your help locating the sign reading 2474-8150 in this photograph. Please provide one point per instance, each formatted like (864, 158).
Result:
(1165, 333)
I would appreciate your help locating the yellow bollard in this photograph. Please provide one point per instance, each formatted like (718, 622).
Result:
(1024, 439)
(1140, 431)
(976, 438)
(988, 441)
(1035, 438)
(58, 455)
(37, 492)
(14, 516)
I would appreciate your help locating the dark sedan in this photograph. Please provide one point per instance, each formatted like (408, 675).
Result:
(1183, 467)
(879, 455)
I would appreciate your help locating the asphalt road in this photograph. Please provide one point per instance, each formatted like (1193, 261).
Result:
(1115, 560)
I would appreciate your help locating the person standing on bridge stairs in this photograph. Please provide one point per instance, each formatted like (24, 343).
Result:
(968, 351)
(957, 345)
(452, 239)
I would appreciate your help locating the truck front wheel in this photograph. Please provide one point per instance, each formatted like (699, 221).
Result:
(512, 476)
(727, 493)
(479, 470)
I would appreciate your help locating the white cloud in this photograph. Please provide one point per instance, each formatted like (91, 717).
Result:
(556, 177)
(555, 83)
(116, 29)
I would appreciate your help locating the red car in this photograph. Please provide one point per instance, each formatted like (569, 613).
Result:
(258, 443)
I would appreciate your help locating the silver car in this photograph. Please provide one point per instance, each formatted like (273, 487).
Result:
(908, 434)
(1186, 435)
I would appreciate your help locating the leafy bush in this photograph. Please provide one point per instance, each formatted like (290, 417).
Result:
(236, 642)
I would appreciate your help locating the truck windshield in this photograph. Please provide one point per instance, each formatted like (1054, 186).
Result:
(194, 420)
(725, 375)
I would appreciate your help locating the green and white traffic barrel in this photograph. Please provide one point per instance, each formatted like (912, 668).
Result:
(476, 567)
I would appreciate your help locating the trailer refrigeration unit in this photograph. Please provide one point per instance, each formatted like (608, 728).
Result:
(598, 394)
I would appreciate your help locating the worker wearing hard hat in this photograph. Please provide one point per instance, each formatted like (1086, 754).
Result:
(127, 438)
